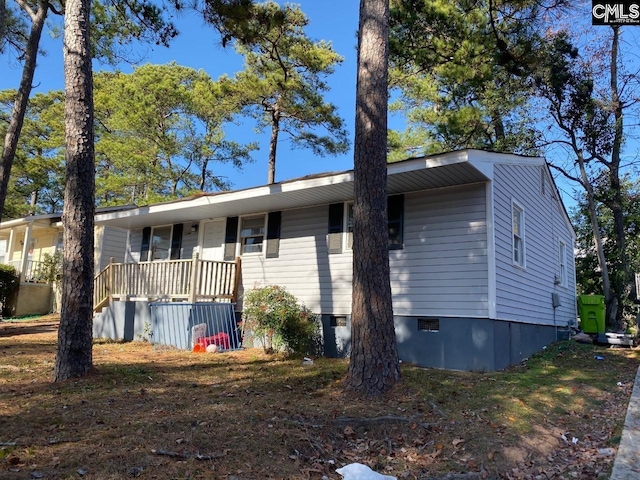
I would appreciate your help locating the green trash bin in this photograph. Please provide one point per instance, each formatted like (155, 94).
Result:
(591, 309)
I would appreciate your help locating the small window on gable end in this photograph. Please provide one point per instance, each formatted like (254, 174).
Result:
(517, 227)
(429, 324)
(563, 264)
(337, 321)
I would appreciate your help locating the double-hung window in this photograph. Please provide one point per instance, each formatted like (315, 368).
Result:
(161, 243)
(255, 234)
(340, 235)
(562, 254)
(252, 234)
(517, 223)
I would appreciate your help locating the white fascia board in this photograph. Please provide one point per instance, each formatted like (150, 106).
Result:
(255, 194)
(482, 161)
(423, 163)
(486, 161)
(44, 220)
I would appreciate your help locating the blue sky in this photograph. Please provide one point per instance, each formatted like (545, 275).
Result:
(198, 46)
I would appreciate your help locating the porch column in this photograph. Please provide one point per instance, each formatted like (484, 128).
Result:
(8, 255)
(24, 261)
(194, 283)
(236, 280)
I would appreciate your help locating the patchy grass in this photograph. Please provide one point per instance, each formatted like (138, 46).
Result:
(244, 415)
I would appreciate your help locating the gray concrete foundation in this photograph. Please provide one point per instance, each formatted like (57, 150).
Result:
(469, 344)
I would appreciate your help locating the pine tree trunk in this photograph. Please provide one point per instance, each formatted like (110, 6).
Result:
(74, 356)
(373, 366)
(22, 100)
(273, 146)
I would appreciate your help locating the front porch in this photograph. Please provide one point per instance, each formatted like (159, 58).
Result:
(191, 280)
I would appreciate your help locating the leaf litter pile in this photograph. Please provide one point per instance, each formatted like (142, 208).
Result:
(245, 415)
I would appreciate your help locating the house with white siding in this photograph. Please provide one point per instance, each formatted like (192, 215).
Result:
(480, 252)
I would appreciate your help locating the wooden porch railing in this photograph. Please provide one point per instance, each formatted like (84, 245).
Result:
(191, 280)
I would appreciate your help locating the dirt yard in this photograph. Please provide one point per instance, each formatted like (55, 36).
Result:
(244, 415)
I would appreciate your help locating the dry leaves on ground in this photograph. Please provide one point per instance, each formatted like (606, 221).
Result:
(244, 415)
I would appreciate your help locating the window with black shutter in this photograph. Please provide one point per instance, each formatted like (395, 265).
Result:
(273, 234)
(230, 238)
(395, 209)
(176, 241)
(146, 244)
(336, 226)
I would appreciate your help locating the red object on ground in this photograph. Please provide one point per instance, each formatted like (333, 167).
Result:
(220, 339)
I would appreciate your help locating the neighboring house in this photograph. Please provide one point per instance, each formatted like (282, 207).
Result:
(480, 247)
(25, 243)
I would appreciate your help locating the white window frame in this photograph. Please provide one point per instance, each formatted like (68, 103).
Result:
(518, 253)
(347, 227)
(241, 237)
(562, 257)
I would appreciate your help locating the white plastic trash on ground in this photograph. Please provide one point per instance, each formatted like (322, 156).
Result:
(358, 471)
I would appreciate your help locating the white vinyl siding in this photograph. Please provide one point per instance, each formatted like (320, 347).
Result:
(525, 294)
(442, 270)
(112, 243)
(304, 267)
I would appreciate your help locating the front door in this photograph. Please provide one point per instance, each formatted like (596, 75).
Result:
(213, 240)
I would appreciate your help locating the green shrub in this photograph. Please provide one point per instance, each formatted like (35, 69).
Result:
(9, 280)
(282, 324)
(50, 267)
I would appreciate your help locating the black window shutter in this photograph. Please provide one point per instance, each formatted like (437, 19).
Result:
(395, 208)
(176, 241)
(146, 241)
(336, 225)
(230, 238)
(273, 234)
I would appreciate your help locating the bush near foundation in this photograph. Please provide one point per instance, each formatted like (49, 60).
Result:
(9, 280)
(275, 317)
